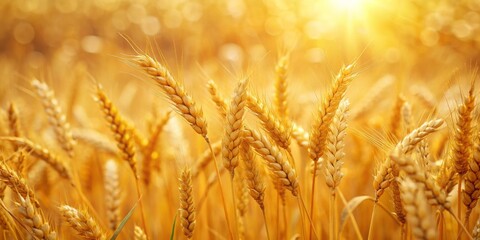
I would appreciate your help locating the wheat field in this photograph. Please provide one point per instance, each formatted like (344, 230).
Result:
(239, 119)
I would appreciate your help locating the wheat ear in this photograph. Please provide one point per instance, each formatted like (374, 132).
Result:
(233, 128)
(175, 92)
(382, 178)
(395, 122)
(149, 151)
(83, 223)
(34, 220)
(273, 125)
(96, 140)
(433, 192)
(281, 86)
(187, 207)
(300, 135)
(56, 117)
(13, 120)
(334, 153)
(274, 159)
(139, 234)
(16, 182)
(43, 154)
(419, 214)
(463, 145)
(119, 128)
(112, 193)
(471, 192)
(256, 184)
(318, 136)
(217, 98)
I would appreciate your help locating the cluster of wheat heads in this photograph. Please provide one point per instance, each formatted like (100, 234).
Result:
(328, 178)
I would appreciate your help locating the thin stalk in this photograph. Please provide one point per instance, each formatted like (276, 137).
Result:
(301, 216)
(331, 216)
(459, 205)
(460, 223)
(139, 195)
(266, 223)
(350, 214)
(285, 220)
(235, 222)
(312, 201)
(370, 228)
(278, 216)
(440, 226)
(403, 233)
(221, 188)
(306, 212)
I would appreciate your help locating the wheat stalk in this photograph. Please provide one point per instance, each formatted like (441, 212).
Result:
(206, 158)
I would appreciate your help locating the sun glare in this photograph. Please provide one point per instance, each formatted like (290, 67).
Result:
(348, 5)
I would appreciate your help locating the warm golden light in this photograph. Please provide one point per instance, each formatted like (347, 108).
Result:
(239, 119)
(348, 5)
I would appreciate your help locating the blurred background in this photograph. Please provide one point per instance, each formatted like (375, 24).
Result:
(427, 50)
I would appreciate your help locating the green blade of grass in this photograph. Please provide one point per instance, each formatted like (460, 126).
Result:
(124, 221)
(173, 227)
